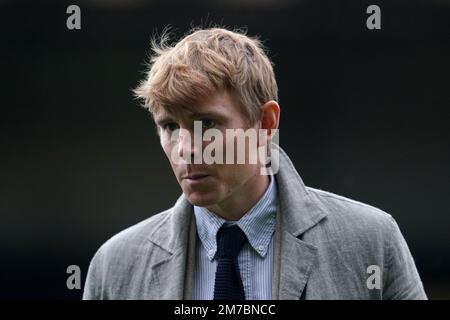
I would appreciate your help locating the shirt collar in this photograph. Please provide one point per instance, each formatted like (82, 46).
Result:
(258, 223)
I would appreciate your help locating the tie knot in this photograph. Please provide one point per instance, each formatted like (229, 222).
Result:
(230, 241)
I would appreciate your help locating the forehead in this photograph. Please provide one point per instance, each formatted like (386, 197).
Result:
(220, 104)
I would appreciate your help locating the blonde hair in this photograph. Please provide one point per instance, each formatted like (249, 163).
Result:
(204, 62)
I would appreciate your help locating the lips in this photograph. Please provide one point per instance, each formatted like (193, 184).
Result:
(196, 176)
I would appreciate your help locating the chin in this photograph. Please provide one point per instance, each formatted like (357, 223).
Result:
(201, 199)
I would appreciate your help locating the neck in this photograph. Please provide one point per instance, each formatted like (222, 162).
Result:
(242, 200)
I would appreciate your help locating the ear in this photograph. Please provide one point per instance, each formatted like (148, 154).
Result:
(270, 118)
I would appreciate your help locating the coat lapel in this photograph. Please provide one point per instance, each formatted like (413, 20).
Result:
(169, 253)
(298, 212)
(297, 261)
(167, 280)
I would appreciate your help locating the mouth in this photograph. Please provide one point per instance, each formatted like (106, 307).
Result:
(196, 177)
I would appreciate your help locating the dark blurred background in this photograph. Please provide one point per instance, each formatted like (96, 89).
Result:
(364, 114)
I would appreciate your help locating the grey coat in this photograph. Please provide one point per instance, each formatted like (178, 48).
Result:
(324, 244)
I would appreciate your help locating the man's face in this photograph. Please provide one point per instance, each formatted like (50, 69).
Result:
(206, 185)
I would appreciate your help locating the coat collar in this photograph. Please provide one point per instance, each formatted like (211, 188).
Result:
(299, 211)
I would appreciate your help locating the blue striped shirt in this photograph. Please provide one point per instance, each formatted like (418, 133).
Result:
(256, 257)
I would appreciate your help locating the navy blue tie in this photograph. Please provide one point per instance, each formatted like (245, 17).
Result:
(228, 284)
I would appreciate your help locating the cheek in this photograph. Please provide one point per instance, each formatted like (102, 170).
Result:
(167, 146)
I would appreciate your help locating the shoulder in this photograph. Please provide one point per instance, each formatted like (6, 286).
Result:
(135, 235)
(118, 258)
(130, 241)
(352, 222)
(340, 208)
(355, 235)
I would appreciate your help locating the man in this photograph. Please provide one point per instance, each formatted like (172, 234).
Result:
(242, 229)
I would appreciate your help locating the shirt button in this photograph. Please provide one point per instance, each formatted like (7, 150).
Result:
(211, 252)
(260, 248)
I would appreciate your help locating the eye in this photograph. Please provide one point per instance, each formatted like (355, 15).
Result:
(170, 126)
(208, 123)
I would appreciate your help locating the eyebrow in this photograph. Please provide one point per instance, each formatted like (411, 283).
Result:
(163, 120)
(216, 115)
(195, 115)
